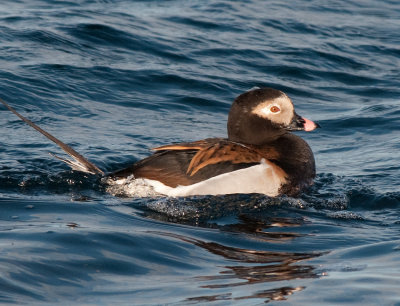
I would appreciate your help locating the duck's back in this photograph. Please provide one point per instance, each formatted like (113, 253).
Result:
(170, 167)
(218, 166)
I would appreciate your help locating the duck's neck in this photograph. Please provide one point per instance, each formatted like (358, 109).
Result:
(252, 130)
(256, 137)
(258, 140)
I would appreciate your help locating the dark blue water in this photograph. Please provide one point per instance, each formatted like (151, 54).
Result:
(115, 78)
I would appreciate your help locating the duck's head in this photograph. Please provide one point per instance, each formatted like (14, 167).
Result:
(262, 115)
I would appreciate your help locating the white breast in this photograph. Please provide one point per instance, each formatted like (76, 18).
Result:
(264, 178)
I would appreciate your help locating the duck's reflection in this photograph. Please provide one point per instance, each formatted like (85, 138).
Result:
(261, 267)
(278, 294)
(261, 220)
(253, 267)
(266, 229)
(270, 266)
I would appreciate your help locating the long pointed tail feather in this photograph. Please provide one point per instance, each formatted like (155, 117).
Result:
(80, 163)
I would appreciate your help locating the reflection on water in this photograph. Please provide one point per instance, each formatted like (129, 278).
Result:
(252, 266)
(278, 294)
(258, 227)
(276, 266)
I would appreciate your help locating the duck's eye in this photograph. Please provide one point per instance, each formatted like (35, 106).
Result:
(275, 109)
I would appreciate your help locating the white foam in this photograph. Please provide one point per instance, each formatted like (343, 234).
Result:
(131, 187)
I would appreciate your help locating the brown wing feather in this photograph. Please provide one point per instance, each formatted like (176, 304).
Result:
(226, 151)
(216, 150)
(195, 145)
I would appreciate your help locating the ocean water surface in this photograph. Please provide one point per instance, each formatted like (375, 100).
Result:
(116, 78)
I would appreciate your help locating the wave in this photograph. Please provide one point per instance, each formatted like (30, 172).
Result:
(338, 196)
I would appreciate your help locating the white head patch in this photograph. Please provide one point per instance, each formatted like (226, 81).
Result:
(279, 110)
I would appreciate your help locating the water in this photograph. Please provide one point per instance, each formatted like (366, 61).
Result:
(115, 78)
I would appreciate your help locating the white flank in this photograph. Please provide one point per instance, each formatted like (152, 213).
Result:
(261, 178)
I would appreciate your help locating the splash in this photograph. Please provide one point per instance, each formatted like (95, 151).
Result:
(129, 187)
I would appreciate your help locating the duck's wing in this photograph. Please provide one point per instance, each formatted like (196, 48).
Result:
(189, 163)
(193, 145)
(217, 150)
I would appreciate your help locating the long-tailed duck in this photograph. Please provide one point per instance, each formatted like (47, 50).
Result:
(260, 155)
